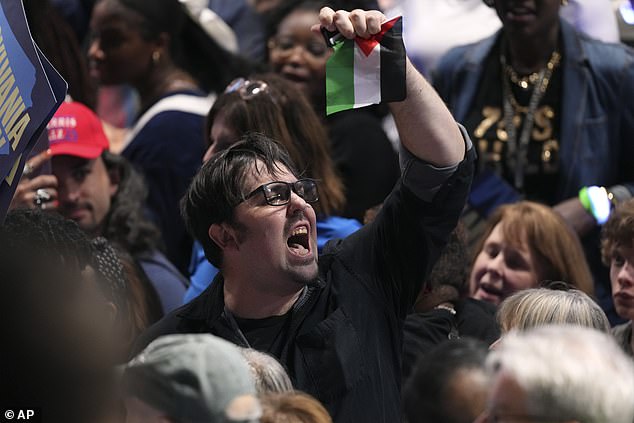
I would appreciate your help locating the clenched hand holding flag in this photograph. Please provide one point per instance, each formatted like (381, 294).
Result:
(366, 71)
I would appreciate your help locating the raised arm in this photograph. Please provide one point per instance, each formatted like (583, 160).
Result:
(426, 127)
(393, 255)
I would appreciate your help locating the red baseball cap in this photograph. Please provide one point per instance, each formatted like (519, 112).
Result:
(75, 130)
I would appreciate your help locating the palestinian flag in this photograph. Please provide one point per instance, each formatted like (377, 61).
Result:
(362, 71)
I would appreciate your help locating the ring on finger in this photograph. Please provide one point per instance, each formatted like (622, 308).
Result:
(41, 196)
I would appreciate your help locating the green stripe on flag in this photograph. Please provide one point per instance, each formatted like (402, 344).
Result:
(340, 78)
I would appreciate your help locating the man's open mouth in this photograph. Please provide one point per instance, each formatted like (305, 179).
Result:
(299, 241)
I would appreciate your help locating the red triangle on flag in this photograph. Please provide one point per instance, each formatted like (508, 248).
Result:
(368, 44)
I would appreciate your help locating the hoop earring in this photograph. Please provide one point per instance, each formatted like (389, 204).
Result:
(156, 56)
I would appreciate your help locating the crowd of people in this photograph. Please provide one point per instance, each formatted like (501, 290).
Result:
(201, 243)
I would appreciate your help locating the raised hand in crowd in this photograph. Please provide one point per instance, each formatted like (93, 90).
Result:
(36, 190)
(435, 138)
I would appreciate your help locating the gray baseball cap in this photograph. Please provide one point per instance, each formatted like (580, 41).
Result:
(194, 378)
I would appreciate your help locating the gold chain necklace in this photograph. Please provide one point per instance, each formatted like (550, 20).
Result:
(517, 150)
(526, 81)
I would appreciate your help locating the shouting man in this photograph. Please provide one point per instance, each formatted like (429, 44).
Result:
(335, 323)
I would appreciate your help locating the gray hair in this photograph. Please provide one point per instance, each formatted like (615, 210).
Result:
(269, 375)
(568, 373)
(542, 306)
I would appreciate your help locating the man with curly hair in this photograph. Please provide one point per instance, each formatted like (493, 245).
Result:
(101, 192)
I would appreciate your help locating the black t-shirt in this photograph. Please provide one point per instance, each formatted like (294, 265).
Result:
(266, 334)
(486, 126)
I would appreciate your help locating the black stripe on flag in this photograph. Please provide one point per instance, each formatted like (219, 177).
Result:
(393, 64)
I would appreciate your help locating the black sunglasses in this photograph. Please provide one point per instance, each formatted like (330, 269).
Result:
(278, 193)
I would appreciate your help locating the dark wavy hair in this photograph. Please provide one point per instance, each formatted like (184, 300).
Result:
(126, 223)
(219, 186)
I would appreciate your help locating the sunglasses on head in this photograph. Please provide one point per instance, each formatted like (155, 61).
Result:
(247, 88)
(278, 193)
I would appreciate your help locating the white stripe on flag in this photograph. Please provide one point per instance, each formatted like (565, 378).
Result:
(367, 76)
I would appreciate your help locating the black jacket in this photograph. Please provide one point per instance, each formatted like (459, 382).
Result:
(345, 337)
(425, 331)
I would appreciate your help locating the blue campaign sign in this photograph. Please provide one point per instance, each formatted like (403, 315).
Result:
(16, 77)
(31, 90)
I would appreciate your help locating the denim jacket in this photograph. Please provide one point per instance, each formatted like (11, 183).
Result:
(597, 108)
